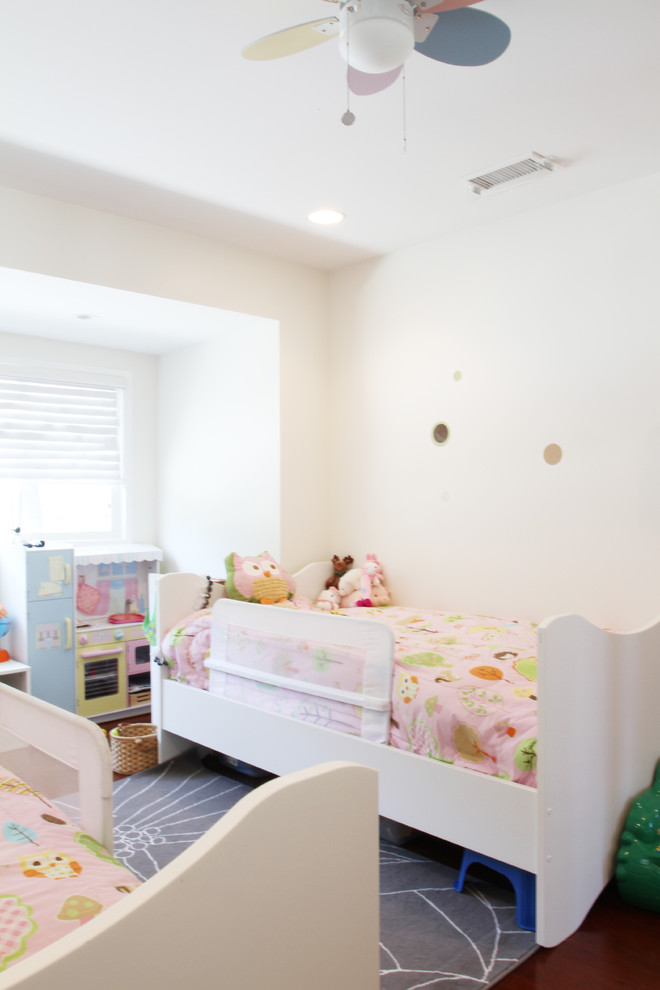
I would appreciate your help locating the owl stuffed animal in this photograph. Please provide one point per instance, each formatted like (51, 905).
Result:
(257, 579)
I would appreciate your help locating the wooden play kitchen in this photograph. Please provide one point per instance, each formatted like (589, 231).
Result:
(77, 618)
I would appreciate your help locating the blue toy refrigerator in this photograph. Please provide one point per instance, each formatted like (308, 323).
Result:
(37, 589)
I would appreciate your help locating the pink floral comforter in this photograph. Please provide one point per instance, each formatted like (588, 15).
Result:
(53, 877)
(186, 647)
(464, 689)
(463, 686)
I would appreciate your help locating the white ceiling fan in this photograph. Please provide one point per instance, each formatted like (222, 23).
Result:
(376, 37)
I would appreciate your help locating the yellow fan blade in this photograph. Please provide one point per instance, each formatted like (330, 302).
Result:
(293, 39)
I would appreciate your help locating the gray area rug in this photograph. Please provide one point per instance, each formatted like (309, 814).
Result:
(431, 935)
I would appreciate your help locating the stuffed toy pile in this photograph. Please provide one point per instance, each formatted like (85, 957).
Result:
(349, 587)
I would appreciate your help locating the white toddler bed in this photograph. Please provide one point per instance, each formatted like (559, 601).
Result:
(282, 892)
(598, 742)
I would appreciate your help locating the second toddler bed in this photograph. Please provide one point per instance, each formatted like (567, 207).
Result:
(597, 733)
(241, 895)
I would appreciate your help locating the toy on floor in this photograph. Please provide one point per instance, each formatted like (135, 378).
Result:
(638, 858)
(523, 883)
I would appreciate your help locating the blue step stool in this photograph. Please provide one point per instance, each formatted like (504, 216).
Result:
(524, 885)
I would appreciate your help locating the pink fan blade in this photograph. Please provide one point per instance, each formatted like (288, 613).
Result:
(367, 83)
(431, 6)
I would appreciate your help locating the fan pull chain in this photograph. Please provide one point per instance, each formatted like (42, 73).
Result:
(348, 117)
(404, 121)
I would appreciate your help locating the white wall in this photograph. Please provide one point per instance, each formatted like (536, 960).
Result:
(219, 446)
(42, 235)
(141, 453)
(551, 319)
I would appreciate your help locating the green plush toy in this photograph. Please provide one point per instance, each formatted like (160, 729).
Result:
(257, 579)
(638, 859)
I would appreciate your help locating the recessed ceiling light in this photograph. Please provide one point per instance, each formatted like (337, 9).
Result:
(325, 216)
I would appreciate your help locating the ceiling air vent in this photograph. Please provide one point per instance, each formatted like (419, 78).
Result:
(512, 173)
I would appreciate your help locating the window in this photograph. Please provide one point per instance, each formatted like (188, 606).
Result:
(61, 454)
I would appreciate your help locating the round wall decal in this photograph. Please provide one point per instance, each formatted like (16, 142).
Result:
(440, 434)
(552, 453)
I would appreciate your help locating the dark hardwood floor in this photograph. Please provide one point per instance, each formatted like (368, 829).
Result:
(618, 945)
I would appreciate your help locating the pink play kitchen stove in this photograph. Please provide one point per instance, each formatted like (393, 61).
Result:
(112, 651)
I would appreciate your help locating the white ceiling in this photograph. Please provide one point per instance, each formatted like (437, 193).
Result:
(77, 312)
(146, 108)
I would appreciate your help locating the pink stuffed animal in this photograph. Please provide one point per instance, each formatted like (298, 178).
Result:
(356, 587)
(371, 570)
(380, 595)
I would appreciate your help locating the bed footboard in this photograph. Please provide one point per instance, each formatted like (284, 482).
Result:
(282, 892)
(599, 741)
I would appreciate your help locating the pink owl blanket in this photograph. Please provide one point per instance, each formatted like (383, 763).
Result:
(53, 877)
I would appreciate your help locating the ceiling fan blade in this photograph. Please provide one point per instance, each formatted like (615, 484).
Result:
(367, 83)
(433, 6)
(292, 40)
(466, 37)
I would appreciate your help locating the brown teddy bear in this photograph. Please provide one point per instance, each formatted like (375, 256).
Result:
(339, 567)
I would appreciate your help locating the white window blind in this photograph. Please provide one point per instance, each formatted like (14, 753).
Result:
(59, 431)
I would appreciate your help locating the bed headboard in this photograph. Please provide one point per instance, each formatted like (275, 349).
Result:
(310, 580)
(181, 592)
(68, 739)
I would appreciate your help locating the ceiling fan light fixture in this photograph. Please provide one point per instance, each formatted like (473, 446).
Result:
(325, 217)
(376, 35)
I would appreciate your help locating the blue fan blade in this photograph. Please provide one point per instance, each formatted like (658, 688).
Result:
(466, 37)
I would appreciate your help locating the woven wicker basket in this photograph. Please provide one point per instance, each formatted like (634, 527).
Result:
(134, 747)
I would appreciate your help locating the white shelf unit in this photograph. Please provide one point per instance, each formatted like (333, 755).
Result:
(16, 674)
